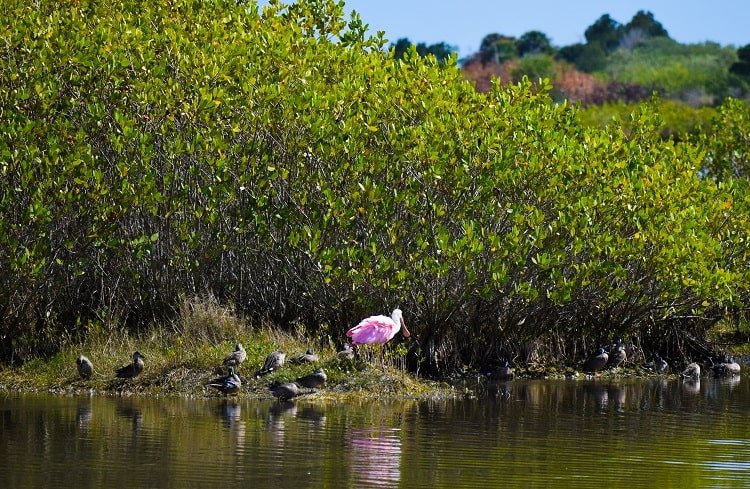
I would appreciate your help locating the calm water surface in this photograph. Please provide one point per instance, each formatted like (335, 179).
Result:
(518, 434)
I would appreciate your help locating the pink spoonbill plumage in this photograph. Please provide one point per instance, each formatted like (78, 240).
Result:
(378, 329)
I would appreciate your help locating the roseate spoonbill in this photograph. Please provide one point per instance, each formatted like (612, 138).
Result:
(237, 356)
(308, 357)
(85, 367)
(617, 356)
(596, 362)
(728, 368)
(314, 380)
(274, 361)
(692, 371)
(228, 384)
(285, 391)
(378, 329)
(134, 369)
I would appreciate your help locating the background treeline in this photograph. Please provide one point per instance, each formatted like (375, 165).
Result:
(618, 64)
(282, 161)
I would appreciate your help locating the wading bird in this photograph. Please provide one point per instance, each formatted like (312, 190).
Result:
(237, 356)
(228, 384)
(617, 355)
(378, 329)
(85, 367)
(133, 370)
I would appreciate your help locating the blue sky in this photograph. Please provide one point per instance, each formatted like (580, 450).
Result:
(464, 23)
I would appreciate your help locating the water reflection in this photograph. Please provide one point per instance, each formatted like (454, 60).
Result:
(375, 457)
(516, 434)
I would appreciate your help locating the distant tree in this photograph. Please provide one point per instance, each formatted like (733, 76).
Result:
(534, 42)
(644, 22)
(741, 67)
(570, 53)
(592, 57)
(442, 51)
(535, 66)
(401, 47)
(606, 32)
(496, 48)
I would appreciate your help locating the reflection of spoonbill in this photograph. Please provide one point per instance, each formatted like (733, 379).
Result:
(378, 329)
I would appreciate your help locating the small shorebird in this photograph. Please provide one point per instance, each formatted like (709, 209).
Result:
(85, 367)
(308, 357)
(596, 362)
(274, 361)
(285, 391)
(133, 370)
(237, 356)
(314, 380)
(692, 371)
(228, 384)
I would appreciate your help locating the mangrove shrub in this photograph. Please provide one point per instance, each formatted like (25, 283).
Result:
(283, 161)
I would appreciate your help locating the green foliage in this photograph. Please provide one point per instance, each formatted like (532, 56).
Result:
(727, 143)
(682, 71)
(535, 67)
(283, 162)
(678, 120)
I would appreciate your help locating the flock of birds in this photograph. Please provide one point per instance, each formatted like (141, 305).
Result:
(616, 355)
(379, 330)
(231, 382)
(372, 330)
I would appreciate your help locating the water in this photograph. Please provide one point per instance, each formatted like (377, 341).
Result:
(518, 434)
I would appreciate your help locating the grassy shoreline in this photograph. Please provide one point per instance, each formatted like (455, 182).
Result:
(183, 356)
(175, 366)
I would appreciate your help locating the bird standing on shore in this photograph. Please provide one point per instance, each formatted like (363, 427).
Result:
(237, 356)
(274, 361)
(85, 367)
(308, 357)
(134, 369)
(596, 362)
(662, 366)
(285, 391)
(314, 380)
(692, 371)
(228, 384)
(617, 355)
(728, 368)
(378, 329)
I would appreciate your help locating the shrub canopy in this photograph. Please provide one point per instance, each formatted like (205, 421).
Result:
(281, 160)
